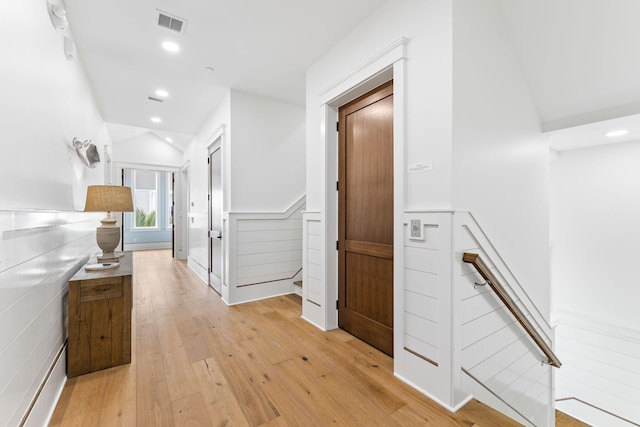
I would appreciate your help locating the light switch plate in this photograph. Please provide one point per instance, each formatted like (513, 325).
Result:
(415, 227)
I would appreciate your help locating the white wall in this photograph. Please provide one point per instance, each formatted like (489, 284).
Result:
(594, 217)
(196, 155)
(146, 149)
(427, 25)
(501, 163)
(595, 209)
(268, 155)
(46, 101)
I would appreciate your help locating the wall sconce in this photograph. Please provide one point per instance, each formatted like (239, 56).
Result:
(87, 152)
(108, 198)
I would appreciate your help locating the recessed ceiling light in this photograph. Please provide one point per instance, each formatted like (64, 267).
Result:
(162, 93)
(168, 139)
(615, 133)
(156, 119)
(170, 46)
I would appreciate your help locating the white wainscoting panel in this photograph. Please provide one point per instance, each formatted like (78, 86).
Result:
(39, 252)
(264, 253)
(601, 367)
(313, 266)
(502, 364)
(422, 319)
(198, 259)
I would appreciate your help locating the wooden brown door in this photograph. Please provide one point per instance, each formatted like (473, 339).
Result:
(365, 218)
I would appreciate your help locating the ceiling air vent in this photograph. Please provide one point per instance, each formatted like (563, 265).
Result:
(153, 98)
(170, 22)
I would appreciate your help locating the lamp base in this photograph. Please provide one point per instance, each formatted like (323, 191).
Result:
(108, 237)
(107, 258)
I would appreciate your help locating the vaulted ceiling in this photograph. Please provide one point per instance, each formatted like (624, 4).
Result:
(580, 58)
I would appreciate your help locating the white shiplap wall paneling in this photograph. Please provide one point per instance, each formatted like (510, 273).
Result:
(39, 252)
(312, 284)
(495, 349)
(265, 253)
(422, 330)
(601, 366)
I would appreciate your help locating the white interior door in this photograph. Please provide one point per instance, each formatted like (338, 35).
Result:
(215, 218)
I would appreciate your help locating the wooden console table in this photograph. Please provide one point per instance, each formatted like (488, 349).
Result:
(99, 314)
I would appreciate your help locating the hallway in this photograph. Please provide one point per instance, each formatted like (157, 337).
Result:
(196, 361)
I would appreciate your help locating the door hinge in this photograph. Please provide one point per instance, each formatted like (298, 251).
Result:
(337, 126)
(208, 160)
(337, 245)
(337, 185)
(337, 305)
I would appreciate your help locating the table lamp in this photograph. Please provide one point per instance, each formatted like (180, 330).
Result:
(108, 198)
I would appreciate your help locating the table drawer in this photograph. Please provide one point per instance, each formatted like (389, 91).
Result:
(99, 289)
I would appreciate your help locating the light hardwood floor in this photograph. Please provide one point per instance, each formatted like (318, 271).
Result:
(197, 362)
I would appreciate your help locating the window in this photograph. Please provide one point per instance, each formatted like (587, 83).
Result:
(145, 198)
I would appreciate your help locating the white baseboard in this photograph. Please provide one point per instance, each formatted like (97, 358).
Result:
(200, 271)
(432, 397)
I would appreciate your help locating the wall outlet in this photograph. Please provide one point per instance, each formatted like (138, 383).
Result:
(416, 229)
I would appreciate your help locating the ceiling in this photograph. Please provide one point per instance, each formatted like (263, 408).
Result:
(580, 59)
(258, 46)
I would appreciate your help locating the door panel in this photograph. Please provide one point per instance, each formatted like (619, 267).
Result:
(365, 218)
(367, 291)
(215, 220)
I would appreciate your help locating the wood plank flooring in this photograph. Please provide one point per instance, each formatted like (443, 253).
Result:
(197, 362)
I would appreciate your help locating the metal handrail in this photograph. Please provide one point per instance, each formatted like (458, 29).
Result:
(497, 287)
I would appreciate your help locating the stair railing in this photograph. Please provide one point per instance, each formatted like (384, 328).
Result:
(496, 286)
